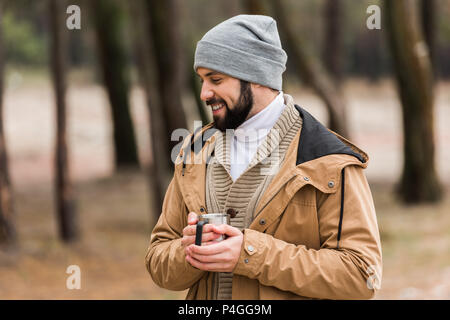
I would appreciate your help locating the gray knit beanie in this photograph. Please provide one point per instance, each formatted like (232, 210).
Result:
(246, 47)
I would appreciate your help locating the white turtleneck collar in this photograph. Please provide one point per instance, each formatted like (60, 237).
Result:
(262, 121)
(249, 135)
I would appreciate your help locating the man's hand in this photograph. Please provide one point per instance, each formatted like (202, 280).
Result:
(189, 232)
(219, 256)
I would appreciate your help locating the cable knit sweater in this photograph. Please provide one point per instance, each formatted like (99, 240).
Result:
(243, 194)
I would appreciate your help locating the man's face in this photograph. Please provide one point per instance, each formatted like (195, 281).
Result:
(229, 98)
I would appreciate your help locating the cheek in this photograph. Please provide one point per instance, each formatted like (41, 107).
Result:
(230, 93)
(225, 98)
(231, 101)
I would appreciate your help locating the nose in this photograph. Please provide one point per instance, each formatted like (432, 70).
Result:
(206, 92)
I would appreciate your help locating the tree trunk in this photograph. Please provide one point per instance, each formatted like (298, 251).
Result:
(196, 88)
(107, 19)
(64, 197)
(165, 32)
(230, 8)
(161, 166)
(311, 72)
(428, 18)
(332, 45)
(254, 7)
(7, 230)
(419, 182)
(367, 55)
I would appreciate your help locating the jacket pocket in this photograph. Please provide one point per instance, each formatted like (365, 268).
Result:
(299, 225)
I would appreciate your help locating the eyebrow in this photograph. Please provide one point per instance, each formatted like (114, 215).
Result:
(211, 73)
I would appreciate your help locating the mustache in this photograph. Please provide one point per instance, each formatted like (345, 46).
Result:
(214, 101)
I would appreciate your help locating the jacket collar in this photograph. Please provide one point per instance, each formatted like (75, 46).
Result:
(317, 141)
(316, 156)
(321, 154)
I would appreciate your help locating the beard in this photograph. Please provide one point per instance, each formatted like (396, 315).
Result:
(233, 118)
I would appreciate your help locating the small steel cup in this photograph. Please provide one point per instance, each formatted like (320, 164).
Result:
(212, 218)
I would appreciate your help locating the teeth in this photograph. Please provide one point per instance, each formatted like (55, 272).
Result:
(217, 107)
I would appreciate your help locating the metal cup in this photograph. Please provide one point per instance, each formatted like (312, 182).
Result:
(212, 218)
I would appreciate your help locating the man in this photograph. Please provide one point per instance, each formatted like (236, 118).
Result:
(302, 219)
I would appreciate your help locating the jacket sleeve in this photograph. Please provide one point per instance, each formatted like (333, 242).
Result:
(352, 271)
(166, 259)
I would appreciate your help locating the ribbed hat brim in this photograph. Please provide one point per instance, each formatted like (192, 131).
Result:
(240, 64)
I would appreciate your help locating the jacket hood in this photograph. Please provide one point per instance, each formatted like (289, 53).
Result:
(318, 141)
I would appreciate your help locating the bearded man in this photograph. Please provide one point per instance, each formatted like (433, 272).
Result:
(302, 219)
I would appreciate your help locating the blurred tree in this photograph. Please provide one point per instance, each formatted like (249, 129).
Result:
(76, 48)
(161, 165)
(68, 227)
(189, 45)
(196, 88)
(165, 33)
(22, 43)
(254, 7)
(332, 42)
(7, 230)
(367, 58)
(76, 41)
(312, 73)
(419, 182)
(442, 45)
(107, 21)
(230, 8)
(428, 17)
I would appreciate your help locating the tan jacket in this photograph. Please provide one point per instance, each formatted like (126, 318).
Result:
(315, 234)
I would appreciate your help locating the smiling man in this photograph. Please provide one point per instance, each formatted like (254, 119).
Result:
(221, 91)
(302, 219)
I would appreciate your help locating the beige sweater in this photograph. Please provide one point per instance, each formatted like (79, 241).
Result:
(243, 194)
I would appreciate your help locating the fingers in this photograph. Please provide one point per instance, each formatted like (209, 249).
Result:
(206, 237)
(192, 230)
(192, 218)
(219, 247)
(189, 233)
(226, 229)
(218, 267)
(221, 257)
(217, 256)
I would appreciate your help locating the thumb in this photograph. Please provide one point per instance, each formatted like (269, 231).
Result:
(192, 218)
(227, 229)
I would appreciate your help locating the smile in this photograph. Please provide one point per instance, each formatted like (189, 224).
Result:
(218, 106)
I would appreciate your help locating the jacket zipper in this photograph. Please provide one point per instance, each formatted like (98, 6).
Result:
(191, 147)
(341, 215)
